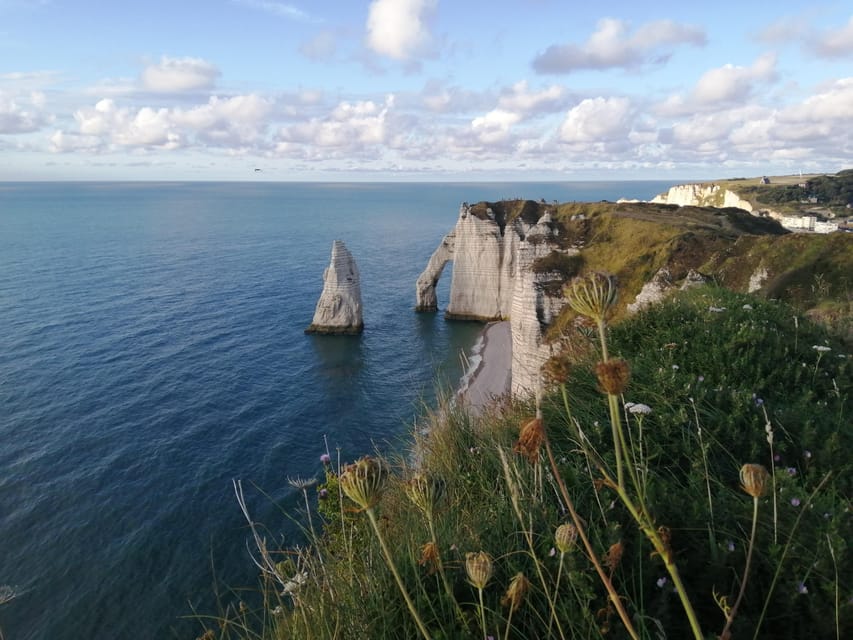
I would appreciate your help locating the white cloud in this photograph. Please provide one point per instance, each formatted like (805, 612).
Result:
(173, 75)
(350, 126)
(612, 45)
(223, 122)
(520, 98)
(321, 47)
(833, 43)
(22, 113)
(834, 104)
(730, 83)
(398, 28)
(597, 120)
(280, 9)
(494, 126)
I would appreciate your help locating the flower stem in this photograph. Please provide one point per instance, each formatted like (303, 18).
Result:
(730, 618)
(421, 627)
(482, 614)
(590, 552)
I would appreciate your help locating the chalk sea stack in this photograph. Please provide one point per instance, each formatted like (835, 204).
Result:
(339, 307)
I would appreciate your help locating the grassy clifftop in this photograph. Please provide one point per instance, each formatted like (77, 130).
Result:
(742, 252)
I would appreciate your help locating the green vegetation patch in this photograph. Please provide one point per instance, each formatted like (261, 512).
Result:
(467, 534)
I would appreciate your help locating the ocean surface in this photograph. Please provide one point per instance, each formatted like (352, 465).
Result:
(152, 351)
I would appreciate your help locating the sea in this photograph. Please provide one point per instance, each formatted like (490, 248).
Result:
(152, 353)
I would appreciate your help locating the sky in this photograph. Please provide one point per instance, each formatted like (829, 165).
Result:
(387, 90)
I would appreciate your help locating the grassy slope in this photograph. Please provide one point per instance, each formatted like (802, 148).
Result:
(713, 380)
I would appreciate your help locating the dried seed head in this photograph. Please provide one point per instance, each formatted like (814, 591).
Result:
(363, 481)
(593, 296)
(565, 537)
(613, 557)
(753, 479)
(518, 588)
(530, 440)
(478, 566)
(430, 557)
(556, 369)
(613, 376)
(424, 492)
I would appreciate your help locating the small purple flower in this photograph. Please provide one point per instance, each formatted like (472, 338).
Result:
(701, 378)
(791, 471)
(759, 402)
(776, 457)
(326, 458)
(730, 545)
(661, 582)
(802, 588)
(795, 502)
(323, 493)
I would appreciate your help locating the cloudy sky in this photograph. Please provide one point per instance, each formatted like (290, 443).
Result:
(423, 89)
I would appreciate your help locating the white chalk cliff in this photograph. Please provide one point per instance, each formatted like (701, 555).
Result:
(702, 195)
(712, 195)
(492, 280)
(339, 309)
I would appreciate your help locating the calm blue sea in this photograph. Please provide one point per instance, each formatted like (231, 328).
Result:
(152, 350)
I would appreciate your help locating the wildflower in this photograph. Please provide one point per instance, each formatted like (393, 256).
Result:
(716, 309)
(478, 566)
(675, 367)
(795, 502)
(730, 545)
(430, 557)
(424, 492)
(566, 536)
(661, 582)
(292, 585)
(326, 458)
(593, 296)
(301, 483)
(323, 494)
(747, 307)
(552, 552)
(518, 588)
(363, 481)
(640, 409)
(807, 454)
(613, 375)
(530, 440)
(701, 379)
(802, 588)
(820, 348)
(791, 471)
(753, 479)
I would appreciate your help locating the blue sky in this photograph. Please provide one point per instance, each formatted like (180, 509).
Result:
(423, 89)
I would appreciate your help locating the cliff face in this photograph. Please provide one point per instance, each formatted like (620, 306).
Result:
(339, 307)
(492, 253)
(702, 195)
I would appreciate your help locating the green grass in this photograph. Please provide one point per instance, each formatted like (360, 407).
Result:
(716, 368)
